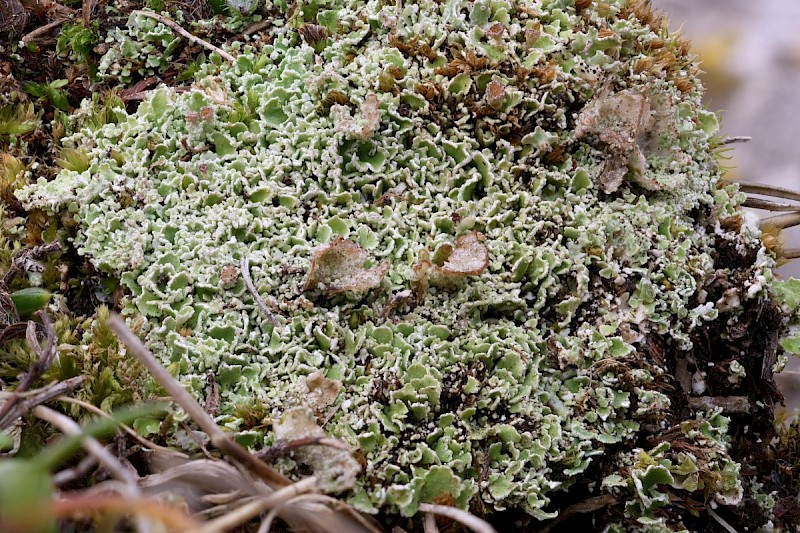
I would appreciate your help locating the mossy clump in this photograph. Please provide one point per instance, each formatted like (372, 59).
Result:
(499, 226)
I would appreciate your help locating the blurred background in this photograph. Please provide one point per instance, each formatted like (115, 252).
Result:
(750, 52)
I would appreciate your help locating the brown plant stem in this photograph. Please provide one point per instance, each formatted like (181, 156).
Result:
(103, 456)
(218, 438)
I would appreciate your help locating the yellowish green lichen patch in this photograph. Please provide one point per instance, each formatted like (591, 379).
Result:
(475, 216)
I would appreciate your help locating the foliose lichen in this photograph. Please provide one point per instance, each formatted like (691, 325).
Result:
(494, 223)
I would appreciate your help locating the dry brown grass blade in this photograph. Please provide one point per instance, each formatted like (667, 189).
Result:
(266, 524)
(103, 456)
(218, 438)
(78, 506)
(769, 190)
(129, 430)
(783, 221)
(251, 510)
(200, 482)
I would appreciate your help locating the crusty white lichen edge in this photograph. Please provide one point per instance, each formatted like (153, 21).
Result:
(501, 387)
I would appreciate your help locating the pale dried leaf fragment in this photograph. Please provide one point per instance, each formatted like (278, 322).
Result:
(632, 125)
(468, 257)
(363, 124)
(339, 266)
(318, 392)
(335, 469)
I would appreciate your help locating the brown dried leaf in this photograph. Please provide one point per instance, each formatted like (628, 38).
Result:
(363, 124)
(615, 119)
(318, 392)
(468, 257)
(633, 126)
(338, 267)
(336, 469)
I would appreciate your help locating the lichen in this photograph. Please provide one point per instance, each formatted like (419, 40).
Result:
(494, 223)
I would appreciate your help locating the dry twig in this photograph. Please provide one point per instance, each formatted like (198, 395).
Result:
(44, 361)
(769, 190)
(25, 401)
(41, 30)
(471, 521)
(281, 448)
(177, 28)
(735, 139)
(103, 456)
(248, 282)
(758, 203)
(218, 438)
(249, 511)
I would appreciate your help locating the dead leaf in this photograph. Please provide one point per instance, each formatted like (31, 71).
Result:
(632, 125)
(336, 469)
(318, 392)
(338, 267)
(468, 257)
(363, 124)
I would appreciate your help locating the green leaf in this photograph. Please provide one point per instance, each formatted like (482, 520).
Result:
(147, 425)
(787, 293)
(25, 488)
(35, 89)
(791, 344)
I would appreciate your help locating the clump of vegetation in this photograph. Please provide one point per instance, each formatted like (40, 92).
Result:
(481, 250)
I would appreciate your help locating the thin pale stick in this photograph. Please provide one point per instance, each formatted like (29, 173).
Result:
(783, 221)
(769, 190)
(41, 30)
(69, 475)
(175, 26)
(248, 282)
(218, 438)
(729, 528)
(758, 203)
(791, 253)
(103, 456)
(471, 521)
(129, 430)
(249, 511)
(429, 525)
